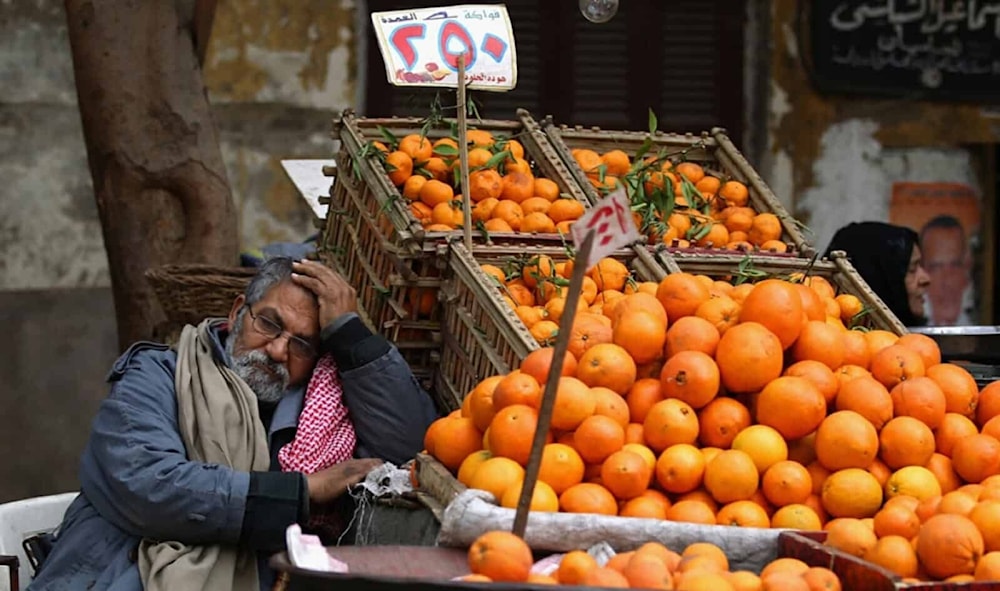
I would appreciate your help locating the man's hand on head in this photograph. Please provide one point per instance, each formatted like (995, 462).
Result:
(335, 295)
(326, 485)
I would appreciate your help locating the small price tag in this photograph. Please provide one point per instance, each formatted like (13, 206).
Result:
(421, 47)
(610, 222)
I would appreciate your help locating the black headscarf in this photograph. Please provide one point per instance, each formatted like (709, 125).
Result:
(881, 254)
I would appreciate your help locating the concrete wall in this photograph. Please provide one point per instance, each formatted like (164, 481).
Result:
(277, 72)
(58, 347)
(49, 232)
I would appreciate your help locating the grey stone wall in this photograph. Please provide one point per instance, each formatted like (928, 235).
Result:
(277, 73)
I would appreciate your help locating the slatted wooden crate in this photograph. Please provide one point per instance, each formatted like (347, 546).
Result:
(837, 270)
(417, 568)
(713, 150)
(482, 334)
(441, 487)
(371, 237)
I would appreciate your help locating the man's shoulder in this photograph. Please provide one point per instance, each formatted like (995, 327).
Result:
(143, 356)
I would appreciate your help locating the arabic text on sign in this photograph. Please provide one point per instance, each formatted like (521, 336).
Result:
(933, 16)
(935, 42)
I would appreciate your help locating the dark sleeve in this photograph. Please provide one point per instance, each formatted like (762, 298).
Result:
(389, 410)
(275, 500)
(351, 344)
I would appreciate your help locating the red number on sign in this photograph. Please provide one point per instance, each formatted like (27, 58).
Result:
(402, 40)
(455, 30)
(603, 228)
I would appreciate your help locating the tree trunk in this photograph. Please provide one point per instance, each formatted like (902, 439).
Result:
(152, 147)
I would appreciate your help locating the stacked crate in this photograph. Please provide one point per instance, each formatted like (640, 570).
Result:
(427, 293)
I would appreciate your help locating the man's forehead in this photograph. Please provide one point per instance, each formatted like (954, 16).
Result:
(938, 238)
(939, 232)
(294, 305)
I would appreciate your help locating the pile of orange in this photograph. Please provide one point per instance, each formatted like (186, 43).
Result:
(537, 289)
(505, 192)
(708, 211)
(922, 534)
(701, 566)
(749, 405)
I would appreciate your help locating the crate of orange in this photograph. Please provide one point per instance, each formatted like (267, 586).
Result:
(944, 542)
(845, 294)
(952, 545)
(394, 207)
(687, 191)
(505, 301)
(760, 408)
(403, 174)
(499, 559)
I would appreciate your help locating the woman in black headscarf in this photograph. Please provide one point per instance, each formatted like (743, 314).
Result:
(888, 258)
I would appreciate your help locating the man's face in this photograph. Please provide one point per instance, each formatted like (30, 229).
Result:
(947, 263)
(269, 365)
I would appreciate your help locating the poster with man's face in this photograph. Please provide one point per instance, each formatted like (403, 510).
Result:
(946, 215)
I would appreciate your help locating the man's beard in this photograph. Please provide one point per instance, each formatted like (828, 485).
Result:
(266, 377)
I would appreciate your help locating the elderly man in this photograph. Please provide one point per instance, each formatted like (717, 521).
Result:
(185, 481)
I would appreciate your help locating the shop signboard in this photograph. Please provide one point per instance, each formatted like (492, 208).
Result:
(917, 49)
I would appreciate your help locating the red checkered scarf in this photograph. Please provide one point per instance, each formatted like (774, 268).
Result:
(325, 435)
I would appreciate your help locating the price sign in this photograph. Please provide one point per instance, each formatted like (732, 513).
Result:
(421, 47)
(612, 225)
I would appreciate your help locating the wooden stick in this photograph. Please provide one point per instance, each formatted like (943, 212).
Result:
(551, 385)
(463, 154)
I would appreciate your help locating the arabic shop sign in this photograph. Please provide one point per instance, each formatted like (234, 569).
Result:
(421, 47)
(920, 49)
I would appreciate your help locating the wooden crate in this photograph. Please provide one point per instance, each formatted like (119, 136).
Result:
(415, 568)
(371, 238)
(837, 269)
(862, 575)
(366, 178)
(855, 573)
(438, 486)
(713, 150)
(436, 482)
(481, 334)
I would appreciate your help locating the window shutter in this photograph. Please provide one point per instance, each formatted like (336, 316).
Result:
(527, 36)
(688, 71)
(683, 59)
(601, 71)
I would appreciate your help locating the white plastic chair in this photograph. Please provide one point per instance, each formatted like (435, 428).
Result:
(22, 519)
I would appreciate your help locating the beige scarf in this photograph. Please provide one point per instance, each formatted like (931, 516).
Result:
(218, 420)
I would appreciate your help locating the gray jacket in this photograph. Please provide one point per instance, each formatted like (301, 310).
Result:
(136, 481)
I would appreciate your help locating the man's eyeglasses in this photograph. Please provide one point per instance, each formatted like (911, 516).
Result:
(266, 327)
